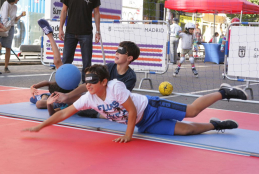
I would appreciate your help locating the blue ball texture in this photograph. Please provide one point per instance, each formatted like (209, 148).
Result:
(68, 76)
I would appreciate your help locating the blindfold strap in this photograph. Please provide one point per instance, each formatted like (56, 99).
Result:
(91, 78)
(121, 50)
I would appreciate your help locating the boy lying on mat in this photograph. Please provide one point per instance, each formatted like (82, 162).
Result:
(149, 113)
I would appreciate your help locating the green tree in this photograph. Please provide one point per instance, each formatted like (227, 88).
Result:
(149, 8)
(247, 17)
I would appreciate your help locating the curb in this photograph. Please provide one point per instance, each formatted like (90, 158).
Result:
(22, 63)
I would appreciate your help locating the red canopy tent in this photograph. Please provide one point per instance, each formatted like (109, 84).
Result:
(213, 6)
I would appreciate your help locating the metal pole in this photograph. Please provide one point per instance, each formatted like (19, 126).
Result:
(214, 38)
(165, 10)
(241, 15)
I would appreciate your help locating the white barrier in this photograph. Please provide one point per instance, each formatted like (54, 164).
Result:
(151, 39)
(244, 52)
(242, 57)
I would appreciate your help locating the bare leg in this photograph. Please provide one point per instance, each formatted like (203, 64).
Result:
(7, 56)
(57, 58)
(201, 103)
(182, 128)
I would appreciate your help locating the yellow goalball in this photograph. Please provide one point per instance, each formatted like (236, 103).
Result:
(165, 88)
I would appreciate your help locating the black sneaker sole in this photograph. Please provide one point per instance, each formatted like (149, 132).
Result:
(216, 119)
(229, 86)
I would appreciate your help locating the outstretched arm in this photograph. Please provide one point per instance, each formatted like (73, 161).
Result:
(56, 118)
(130, 107)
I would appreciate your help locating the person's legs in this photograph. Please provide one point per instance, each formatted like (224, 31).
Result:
(182, 59)
(70, 44)
(164, 117)
(171, 50)
(176, 42)
(202, 103)
(161, 115)
(57, 58)
(47, 29)
(192, 110)
(7, 43)
(86, 44)
(191, 59)
(182, 128)
(7, 58)
(225, 92)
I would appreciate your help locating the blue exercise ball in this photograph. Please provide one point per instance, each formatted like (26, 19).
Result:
(68, 76)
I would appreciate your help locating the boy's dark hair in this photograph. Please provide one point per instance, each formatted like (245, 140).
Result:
(54, 87)
(10, 1)
(100, 70)
(215, 34)
(131, 48)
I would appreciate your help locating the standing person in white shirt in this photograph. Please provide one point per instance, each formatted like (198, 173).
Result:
(8, 11)
(174, 41)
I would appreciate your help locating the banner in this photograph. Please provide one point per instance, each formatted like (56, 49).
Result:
(150, 38)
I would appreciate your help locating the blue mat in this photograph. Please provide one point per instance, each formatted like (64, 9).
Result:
(237, 141)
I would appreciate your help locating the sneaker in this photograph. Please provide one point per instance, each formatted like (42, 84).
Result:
(176, 71)
(6, 70)
(45, 26)
(195, 72)
(0, 73)
(233, 92)
(221, 125)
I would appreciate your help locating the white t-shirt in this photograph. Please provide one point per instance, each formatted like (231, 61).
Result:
(8, 10)
(174, 28)
(111, 107)
(187, 40)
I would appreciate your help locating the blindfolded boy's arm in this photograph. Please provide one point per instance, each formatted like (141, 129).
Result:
(55, 118)
(130, 107)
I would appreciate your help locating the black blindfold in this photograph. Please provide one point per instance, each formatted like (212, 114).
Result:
(91, 78)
